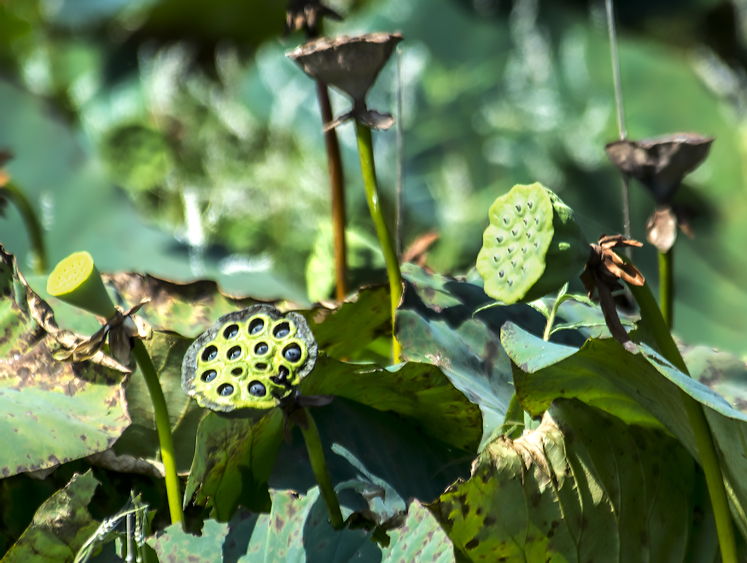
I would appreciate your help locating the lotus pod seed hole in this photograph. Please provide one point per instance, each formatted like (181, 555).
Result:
(510, 249)
(260, 366)
(236, 372)
(234, 353)
(536, 220)
(283, 373)
(524, 249)
(510, 283)
(499, 238)
(506, 219)
(495, 258)
(501, 273)
(261, 349)
(231, 331)
(529, 204)
(209, 354)
(525, 222)
(292, 353)
(256, 389)
(518, 207)
(225, 390)
(209, 375)
(256, 326)
(282, 330)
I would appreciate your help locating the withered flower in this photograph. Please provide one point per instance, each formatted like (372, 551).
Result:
(305, 15)
(120, 328)
(603, 272)
(660, 164)
(350, 64)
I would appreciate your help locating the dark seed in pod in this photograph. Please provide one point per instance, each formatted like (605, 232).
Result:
(501, 273)
(230, 331)
(209, 375)
(209, 354)
(225, 390)
(236, 371)
(261, 348)
(292, 353)
(256, 326)
(282, 330)
(234, 353)
(257, 389)
(260, 367)
(518, 207)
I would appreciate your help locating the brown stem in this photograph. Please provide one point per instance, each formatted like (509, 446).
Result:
(337, 184)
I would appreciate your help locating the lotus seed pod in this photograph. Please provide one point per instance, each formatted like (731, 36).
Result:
(75, 280)
(532, 247)
(250, 359)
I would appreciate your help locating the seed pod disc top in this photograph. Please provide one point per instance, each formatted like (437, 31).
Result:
(532, 247)
(348, 63)
(250, 359)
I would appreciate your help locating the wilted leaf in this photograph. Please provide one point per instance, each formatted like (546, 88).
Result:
(60, 527)
(603, 373)
(583, 486)
(174, 545)
(53, 412)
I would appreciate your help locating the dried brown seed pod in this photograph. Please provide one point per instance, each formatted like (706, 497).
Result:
(350, 64)
(660, 163)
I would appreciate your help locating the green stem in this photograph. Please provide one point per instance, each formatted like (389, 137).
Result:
(513, 423)
(666, 286)
(652, 316)
(368, 170)
(319, 466)
(164, 430)
(33, 227)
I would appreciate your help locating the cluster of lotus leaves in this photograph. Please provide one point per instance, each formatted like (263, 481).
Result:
(250, 359)
(532, 247)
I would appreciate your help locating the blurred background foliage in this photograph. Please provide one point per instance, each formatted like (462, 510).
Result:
(173, 136)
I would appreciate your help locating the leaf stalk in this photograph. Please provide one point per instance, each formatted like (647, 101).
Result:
(368, 171)
(163, 427)
(666, 286)
(38, 251)
(319, 466)
(652, 316)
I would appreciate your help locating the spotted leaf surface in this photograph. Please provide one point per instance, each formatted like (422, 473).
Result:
(602, 372)
(60, 527)
(583, 486)
(51, 412)
(249, 359)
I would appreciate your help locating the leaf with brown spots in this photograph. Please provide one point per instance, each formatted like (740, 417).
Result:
(640, 387)
(583, 486)
(46, 405)
(60, 527)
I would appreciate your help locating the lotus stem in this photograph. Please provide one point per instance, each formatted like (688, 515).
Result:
(652, 316)
(76, 281)
(163, 427)
(33, 227)
(513, 423)
(368, 170)
(666, 286)
(337, 185)
(319, 466)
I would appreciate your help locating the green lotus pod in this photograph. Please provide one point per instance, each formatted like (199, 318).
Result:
(532, 247)
(75, 280)
(250, 359)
